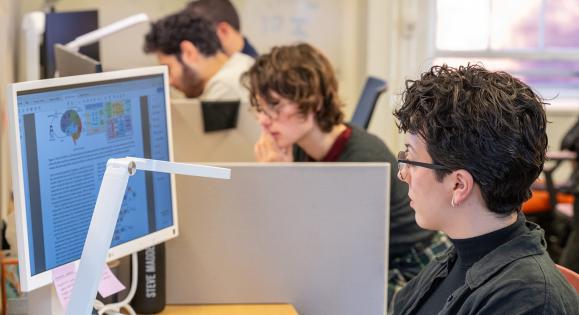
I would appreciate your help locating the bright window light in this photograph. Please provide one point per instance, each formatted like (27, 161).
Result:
(536, 40)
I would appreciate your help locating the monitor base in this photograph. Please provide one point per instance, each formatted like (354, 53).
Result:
(43, 299)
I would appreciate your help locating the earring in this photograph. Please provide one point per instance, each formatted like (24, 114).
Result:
(452, 202)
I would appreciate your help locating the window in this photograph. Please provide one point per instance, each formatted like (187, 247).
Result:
(535, 40)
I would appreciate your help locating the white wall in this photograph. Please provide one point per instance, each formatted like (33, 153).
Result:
(397, 50)
(334, 26)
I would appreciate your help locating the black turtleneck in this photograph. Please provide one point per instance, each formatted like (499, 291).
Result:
(468, 251)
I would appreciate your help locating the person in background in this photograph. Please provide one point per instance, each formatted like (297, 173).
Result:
(198, 67)
(476, 141)
(226, 20)
(294, 91)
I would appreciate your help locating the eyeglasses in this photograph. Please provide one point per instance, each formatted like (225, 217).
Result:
(273, 111)
(403, 163)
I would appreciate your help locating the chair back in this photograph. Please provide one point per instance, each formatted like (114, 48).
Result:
(571, 276)
(373, 88)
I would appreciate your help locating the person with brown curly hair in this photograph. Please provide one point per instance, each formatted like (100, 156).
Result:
(294, 91)
(476, 141)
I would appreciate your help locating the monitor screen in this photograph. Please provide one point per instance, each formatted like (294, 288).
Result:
(63, 132)
(70, 62)
(63, 27)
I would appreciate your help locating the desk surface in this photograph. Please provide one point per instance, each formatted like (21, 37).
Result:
(248, 309)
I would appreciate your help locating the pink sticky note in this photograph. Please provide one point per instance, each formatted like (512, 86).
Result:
(109, 283)
(63, 278)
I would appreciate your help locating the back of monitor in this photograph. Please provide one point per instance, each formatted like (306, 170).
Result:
(70, 62)
(193, 144)
(313, 235)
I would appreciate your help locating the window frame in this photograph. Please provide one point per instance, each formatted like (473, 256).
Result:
(562, 99)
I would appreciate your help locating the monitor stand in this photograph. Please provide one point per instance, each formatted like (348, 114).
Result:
(43, 299)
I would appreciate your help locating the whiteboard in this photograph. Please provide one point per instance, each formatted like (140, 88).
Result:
(276, 22)
(336, 27)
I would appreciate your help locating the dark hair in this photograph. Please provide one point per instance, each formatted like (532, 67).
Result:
(167, 34)
(301, 74)
(215, 11)
(488, 123)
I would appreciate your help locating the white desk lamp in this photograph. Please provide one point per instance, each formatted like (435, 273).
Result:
(104, 219)
(85, 280)
(96, 35)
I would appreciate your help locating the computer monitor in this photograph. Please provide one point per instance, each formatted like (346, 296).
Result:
(63, 27)
(70, 62)
(62, 133)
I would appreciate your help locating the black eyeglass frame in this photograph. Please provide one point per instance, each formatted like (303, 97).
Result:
(432, 166)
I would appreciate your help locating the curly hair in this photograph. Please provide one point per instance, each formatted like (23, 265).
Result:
(301, 74)
(167, 34)
(488, 123)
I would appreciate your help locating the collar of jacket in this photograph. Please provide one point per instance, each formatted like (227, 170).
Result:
(529, 244)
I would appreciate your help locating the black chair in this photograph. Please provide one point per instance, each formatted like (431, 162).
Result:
(373, 88)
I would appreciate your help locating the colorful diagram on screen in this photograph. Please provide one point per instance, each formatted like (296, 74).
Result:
(71, 125)
(94, 119)
(119, 123)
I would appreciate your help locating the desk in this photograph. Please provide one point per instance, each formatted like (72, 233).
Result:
(248, 309)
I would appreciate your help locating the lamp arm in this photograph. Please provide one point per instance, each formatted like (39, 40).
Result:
(102, 32)
(104, 220)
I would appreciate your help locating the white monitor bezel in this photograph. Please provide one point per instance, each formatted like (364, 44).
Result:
(28, 281)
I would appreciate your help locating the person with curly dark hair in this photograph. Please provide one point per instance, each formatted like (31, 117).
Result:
(226, 20)
(295, 93)
(198, 67)
(476, 141)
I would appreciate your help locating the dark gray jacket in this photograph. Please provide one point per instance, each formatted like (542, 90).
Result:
(518, 277)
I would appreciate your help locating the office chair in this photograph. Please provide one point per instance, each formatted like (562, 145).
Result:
(571, 276)
(555, 206)
(570, 254)
(552, 205)
(373, 88)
